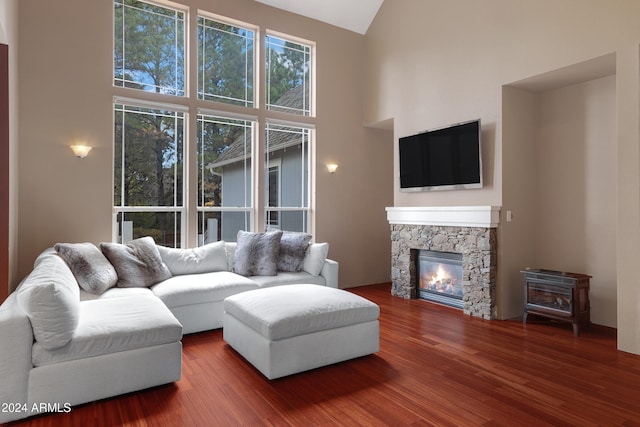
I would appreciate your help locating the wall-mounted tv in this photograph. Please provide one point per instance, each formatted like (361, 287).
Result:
(448, 158)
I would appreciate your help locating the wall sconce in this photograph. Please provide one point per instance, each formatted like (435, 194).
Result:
(80, 151)
(332, 167)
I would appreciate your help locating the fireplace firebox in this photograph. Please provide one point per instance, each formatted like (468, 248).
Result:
(439, 277)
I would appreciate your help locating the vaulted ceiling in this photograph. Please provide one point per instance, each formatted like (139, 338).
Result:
(354, 15)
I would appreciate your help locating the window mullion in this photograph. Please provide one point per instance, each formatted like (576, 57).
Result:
(123, 162)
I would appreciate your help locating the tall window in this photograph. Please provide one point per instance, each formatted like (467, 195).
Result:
(148, 174)
(225, 185)
(287, 147)
(151, 141)
(287, 156)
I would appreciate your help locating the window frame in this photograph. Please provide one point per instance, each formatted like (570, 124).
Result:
(123, 209)
(249, 207)
(257, 37)
(304, 118)
(307, 186)
(186, 47)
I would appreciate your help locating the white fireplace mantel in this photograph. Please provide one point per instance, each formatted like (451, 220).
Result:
(454, 216)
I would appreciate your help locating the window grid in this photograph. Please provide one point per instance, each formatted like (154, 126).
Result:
(225, 147)
(170, 124)
(178, 17)
(288, 146)
(283, 52)
(248, 36)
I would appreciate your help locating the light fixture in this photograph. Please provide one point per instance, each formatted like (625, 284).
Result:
(80, 151)
(331, 167)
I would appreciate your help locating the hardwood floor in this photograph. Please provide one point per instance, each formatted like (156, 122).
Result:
(436, 366)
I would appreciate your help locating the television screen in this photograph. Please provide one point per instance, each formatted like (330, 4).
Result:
(448, 158)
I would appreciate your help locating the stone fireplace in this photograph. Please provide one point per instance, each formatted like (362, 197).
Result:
(466, 230)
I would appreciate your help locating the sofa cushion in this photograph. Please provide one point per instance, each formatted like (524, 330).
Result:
(50, 296)
(114, 293)
(272, 313)
(315, 258)
(91, 268)
(111, 325)
(138, 262)
(293, 249)
(257, 253)
(200, 288)
(204, 259)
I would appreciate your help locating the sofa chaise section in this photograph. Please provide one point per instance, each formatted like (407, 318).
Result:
(121, 345)
(16, 339)
(116, 345)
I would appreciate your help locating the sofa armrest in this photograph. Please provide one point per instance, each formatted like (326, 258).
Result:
(16, 337)
(330, 273)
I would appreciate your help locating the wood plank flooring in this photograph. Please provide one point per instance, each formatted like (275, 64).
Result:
(436, 367)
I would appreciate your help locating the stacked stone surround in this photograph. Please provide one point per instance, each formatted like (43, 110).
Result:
(479, 258)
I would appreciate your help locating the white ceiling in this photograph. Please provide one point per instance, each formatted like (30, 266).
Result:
(354, 15)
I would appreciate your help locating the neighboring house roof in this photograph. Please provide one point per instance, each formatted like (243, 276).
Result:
(236, 152)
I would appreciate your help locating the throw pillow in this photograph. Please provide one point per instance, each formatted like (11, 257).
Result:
(138, 262)
(204, 259)
(51, 298)
(91, 269)
(316, 256)
(293, 249)
(257, 253)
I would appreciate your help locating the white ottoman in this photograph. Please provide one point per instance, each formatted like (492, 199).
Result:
(288, 329)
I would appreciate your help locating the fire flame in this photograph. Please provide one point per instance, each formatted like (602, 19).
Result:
(439, 281)
(441, 275)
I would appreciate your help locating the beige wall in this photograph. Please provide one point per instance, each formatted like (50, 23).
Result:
(9, 36)
(66, 95)
(575, 177)
(431, 63)
(517, 238)
(628, 189)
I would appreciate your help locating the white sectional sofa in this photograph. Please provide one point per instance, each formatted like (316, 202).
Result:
(62, 345)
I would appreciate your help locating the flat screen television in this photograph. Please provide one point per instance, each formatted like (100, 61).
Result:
(448, 158)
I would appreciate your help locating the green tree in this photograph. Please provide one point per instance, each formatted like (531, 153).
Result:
(149, 47)
(225, 62)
